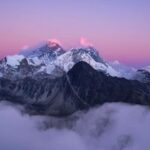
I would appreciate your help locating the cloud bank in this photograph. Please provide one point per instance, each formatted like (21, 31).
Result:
(109, 127)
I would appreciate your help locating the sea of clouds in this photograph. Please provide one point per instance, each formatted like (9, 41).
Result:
(108, 127)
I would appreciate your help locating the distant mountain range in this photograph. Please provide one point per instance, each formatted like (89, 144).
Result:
(53, 81)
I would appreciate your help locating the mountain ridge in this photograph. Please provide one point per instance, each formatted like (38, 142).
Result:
(52, 59)
(81, 88)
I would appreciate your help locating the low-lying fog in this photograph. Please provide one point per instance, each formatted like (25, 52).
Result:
(108, 127)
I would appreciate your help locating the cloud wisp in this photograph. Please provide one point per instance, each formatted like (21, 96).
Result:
(85, 42)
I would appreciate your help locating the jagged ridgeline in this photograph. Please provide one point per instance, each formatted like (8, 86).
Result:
(49, 80)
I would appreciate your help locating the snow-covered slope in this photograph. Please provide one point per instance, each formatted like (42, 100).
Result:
(18, 66)
(125, 71)
(66, 61)
(12, 61)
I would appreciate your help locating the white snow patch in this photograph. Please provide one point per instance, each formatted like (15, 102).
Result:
(49, 68)
(14, 60)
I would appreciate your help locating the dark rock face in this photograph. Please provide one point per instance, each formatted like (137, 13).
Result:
(102, 88)
(81, 88)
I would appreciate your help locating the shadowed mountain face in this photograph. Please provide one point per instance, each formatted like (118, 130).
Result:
(81, 88)
(102, 88)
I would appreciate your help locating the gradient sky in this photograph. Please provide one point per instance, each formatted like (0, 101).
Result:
(119, 29)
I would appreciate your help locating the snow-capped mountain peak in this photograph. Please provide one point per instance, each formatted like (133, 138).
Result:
(48, 48)
(66, 61)
(46, 52)
(89, 51)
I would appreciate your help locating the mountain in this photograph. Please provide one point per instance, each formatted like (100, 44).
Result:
(12, 61)
(81, 88)
(30, 62)
(17, 66)
(66, 61)
(50, 58)
(46, 52)
(49, 80)
(91, 51)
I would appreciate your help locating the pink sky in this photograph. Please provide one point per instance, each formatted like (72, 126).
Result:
(119, 30)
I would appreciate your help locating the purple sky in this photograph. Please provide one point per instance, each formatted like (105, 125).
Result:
(119, 29)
